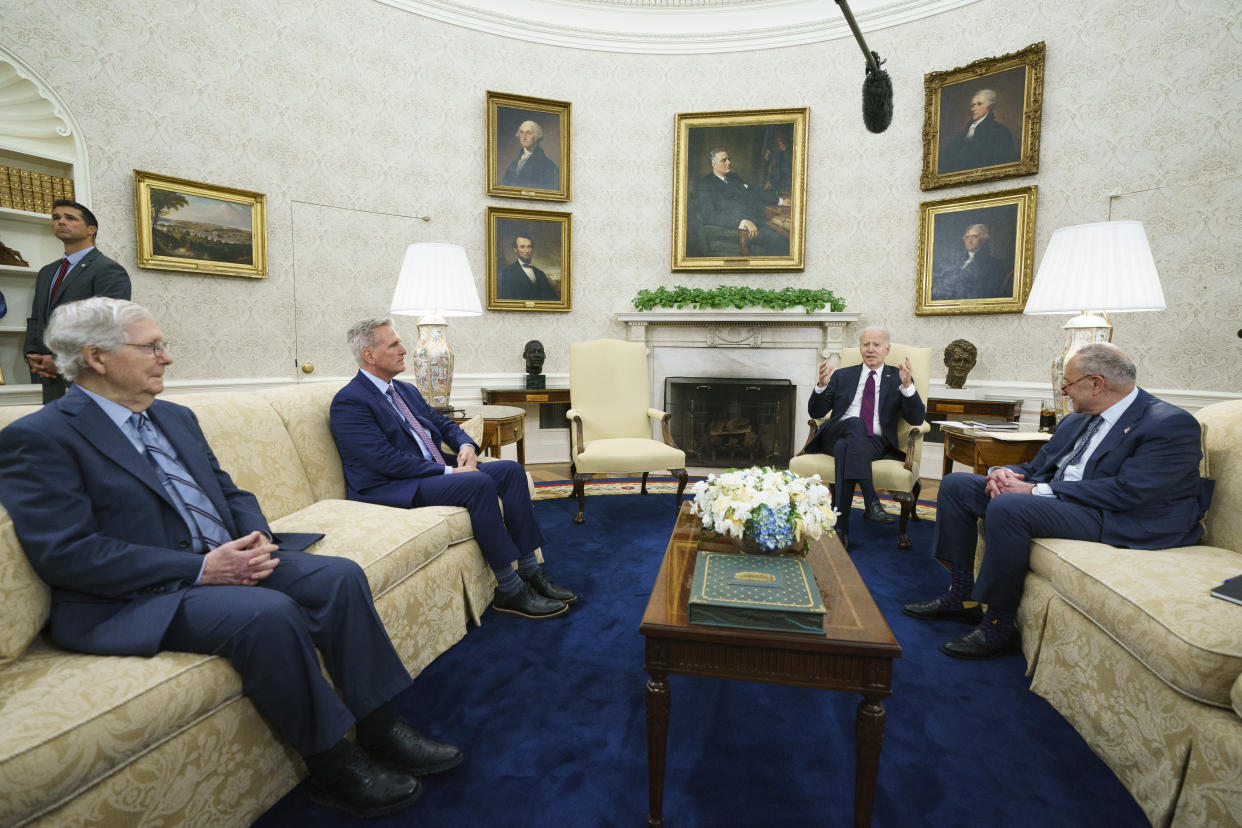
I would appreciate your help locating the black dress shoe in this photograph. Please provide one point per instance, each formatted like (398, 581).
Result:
(363, 787)
(408, 752)
(875, 514)
(544, 586)
(844, 537)
(528, 603)
(934, 610)
(974, 645)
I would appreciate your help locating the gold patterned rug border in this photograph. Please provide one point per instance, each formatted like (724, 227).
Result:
(616, 486)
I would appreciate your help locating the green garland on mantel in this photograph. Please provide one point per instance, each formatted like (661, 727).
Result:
(734, 296)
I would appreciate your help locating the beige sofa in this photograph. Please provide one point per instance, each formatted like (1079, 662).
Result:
(1131, 649)
(170, 740)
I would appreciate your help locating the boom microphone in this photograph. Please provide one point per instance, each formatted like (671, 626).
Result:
(877, 102)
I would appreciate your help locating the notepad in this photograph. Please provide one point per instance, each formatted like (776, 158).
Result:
(1230, 590)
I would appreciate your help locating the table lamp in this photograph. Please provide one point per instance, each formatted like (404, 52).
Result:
(435, 282)
(1089, 270)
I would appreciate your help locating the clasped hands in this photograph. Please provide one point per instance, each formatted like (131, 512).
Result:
(904, 368)
(467, 460)
(241, 562)
(44, 365)
(1002, 480)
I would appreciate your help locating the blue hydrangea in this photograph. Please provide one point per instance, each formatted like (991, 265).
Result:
(772, 528)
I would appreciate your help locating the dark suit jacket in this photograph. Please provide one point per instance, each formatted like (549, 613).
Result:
(986, 277)
(95, 275)
(837, 397)
(382, 461)
(98, 526)
(727, 203)
(992, 144)
(513, 283)
(1143, 477)
(539, 171)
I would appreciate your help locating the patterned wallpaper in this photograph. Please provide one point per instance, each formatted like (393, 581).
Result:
(357, 118)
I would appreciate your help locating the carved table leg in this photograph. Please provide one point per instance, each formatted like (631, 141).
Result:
(869, 735)
(657, 744)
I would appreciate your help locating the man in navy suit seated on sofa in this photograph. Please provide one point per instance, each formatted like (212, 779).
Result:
(389, 441)
(1123, 469)
(148, 545)
(865, 401)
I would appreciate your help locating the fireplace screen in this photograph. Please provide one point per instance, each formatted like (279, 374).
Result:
(727, 423)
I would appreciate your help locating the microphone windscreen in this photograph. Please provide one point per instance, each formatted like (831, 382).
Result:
(877, 101)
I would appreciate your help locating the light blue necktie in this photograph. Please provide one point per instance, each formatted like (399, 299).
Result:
(183, 489)
(1093, 425)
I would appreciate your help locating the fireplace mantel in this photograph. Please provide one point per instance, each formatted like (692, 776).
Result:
(745, 328)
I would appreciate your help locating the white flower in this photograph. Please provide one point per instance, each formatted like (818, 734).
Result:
(727, 502)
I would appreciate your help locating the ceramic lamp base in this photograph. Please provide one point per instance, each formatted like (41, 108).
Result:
(433, 362)
(1083, 329)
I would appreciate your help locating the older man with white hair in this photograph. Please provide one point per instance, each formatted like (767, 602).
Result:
(121, 507)
(532, 168)
(983, 142)
(1123, 469)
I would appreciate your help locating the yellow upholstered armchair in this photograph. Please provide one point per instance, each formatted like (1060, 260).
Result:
(611, 416)
(899, 479)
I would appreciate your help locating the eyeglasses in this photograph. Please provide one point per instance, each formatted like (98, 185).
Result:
(1065, 387)
(154, 348)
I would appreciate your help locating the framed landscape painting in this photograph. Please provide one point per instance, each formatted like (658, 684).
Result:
(739, 190)
(201, 228)
(981, 121)
(976, 252)
(528, 147)
(528, 260)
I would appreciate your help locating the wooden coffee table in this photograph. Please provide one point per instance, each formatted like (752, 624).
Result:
(855, 654)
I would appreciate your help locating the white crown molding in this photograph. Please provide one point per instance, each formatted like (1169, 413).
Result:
(705, 28)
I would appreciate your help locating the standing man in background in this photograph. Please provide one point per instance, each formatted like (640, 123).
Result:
(81, 273)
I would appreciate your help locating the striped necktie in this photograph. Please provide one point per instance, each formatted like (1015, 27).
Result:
(1093, 425)
(418, 427)
(181, 487)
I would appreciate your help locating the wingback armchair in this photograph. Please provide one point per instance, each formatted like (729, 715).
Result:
(611, 417)
(900, 479)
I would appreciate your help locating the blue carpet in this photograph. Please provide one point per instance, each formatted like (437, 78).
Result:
(552, 719)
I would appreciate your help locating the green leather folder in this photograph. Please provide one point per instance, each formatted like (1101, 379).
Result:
(755, 592)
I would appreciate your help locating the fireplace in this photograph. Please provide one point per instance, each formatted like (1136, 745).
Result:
(727, 422)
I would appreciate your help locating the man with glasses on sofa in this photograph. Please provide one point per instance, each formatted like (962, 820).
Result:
(1123, 469)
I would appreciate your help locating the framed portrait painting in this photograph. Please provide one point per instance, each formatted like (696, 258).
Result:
(200, 228)
(739, 190)
(975, 253)
(981, 121)
(528, 260)
(528, 147)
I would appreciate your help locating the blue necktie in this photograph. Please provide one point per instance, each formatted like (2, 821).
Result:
(1093, 425)
(183, 489)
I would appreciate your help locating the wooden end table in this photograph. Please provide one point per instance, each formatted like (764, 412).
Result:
(502, 425)
(973, 448)
(855, 654)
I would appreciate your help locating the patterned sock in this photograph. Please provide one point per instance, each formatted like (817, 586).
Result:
(507, 581)
(961, 587)
(528, 564)
(998, 625)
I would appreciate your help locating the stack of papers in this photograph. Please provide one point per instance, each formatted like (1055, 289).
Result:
(993, 426)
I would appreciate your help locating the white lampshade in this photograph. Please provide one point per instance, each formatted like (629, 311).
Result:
(435, 280)
(1106, 266)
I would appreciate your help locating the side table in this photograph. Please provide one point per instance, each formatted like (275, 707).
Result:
(971, 447)
(502, 425)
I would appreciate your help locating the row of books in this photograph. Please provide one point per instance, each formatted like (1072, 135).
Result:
(32, 191)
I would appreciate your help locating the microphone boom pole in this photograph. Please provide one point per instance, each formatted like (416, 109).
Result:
(877, 87)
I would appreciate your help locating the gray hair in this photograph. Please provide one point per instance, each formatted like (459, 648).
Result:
(989, 97)
(887, 339)
(362, 336)
(538, 130)
(1105, 360)
(99, 322)
(711, 156)
(982, 230)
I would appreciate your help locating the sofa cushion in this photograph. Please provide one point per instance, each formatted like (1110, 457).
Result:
(25, 601)
(253, 446)
(1156, 604)
(390, 544)
(304, 410)
(1222, 432)
(107, 710)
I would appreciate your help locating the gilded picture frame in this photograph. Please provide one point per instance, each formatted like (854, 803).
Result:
(739, 190)
(195, 227)
(544, 281)
(976, 253)
(529, 147)
(981, 121)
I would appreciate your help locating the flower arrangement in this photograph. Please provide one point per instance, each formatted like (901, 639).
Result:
(774, 508)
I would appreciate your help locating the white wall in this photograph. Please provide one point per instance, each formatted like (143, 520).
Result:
(355, 117)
